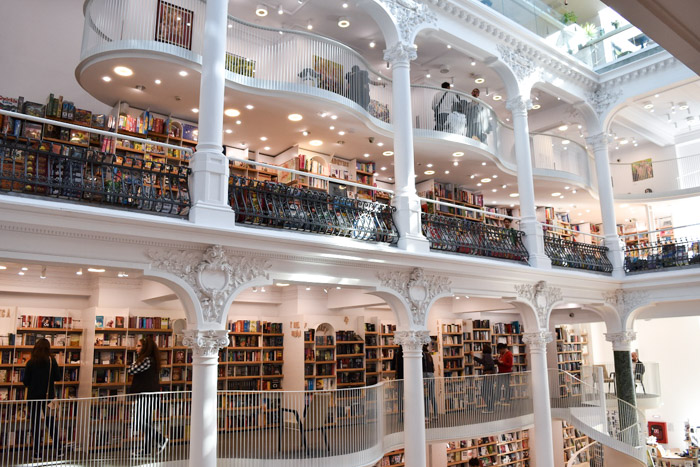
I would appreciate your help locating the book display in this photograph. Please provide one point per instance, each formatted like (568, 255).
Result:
(569, 359)
(16, 348)
(573, 441)
(547, 215)
(450, 193)
(505, 449)
(394, 458)
(350, 353)
(387, 349)
(319, 358)
(451, 348)
(301, 162)
(372, 354)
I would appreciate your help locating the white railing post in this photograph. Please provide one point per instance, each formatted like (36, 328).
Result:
(204, 431)
(210, 171)
(534, 237)
(537, 346)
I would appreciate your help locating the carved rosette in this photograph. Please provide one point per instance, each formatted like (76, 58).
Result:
(518, 106)
(602, 99)
(206, 343)
(400, 52)
(626, 302)
(417, 288)
(522, 66)
(213, 275)
(542, 298)
(409, 16)
(537, 341)
(598, 142)
(621, 341)
(412, 341)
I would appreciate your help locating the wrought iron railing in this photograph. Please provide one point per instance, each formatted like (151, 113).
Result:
(569, 254)
(278, 205)
(83, 174)
(662, 255)
(473, 238)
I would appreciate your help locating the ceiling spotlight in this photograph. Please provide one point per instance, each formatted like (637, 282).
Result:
(504, 186)
(479, 80)
(182, 73)
(563, 127)
(565, 142)
(494, 190)
(308, 288)
(648, 105)
(483, 163)
(427, 75)
(43, 273)
(106, 79)
(447, 172)
(157, 81)
(280, 10)
(315, 142)
(573, 191)
(96, 270)
(238, 122)
(472, 176)
(343, 22)
(478, 184)
(429, 172)
(2, 268)
(485, 180)
(536, 107)
(261, 10)
(494, 176)
(266, 148)
(79, 272)
(25, 268)
(497, 97)
(232, 112)
(123, 71)
(309, 26)
(682, 105)
(249, 107)
(306, 133)
(122, 274)
(21, 273)
(383, 168)
(195, 110)
(372, 44)
(458, 154)
(295, 117)
(366, 155)
(334, 117)
(455, 163)
(514, 195)
(228, 131)
(380, 144)
(430, 166)
(556, 193)
(344, 5)
(341, 133)
(263, 138)
(473, 62)
(388, 153)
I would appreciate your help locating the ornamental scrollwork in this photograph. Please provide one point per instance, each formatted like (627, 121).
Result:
(412, 341)
(518, 106)
(537, 341)
(214, 275)
(417, 288)
(205, 343)
(602, 98)
(400, 52)
(409, 16)
(626, 302)
(542, 298)
(516, 59)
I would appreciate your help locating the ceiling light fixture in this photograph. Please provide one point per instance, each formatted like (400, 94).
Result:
(478, 184)
(309, 26)
(344, 5)
(96, 270)
(556, 193)
(157, 81)
(648, 105)
(483, 163)
(280, 10)
(366, 155)
(249, 107)
(343, 22)
(497, 97)
(232, 112)
(25, 268)
(295, 117)
(266, 148)
(282, 284)
(21, 273)
(43, 273)
(563, 127)
(429, 166)
(195, 110)
(263, 138)
(536, 107)
(261, 10)
(479, 80)
(315, 142)
(458, 154)
(182, 73)
(106, 79)
(514, 195)
(388, 153)
(306, 133)
(682, 105)
(228, 131)
(123, 71)
(455, 163)
(473, 62)
(79, 272)
(485, 180)
(429, 172)
(2, 268)
(380, 144)
(238, 122)
(565, 142)
(372, 44)
(122, 274)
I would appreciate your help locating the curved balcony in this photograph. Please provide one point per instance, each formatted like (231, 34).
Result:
(647, 181)
(273, 60)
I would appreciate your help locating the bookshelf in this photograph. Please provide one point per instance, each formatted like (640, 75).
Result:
(569, 359)
(394, 458)
(547, 215)
(323, 359)
(451, 347)
(314, 164)
(505, 449)
(372, 354)
(481, 334)
(387, 350)
(350, 354)
(573, 440)
(453, 194)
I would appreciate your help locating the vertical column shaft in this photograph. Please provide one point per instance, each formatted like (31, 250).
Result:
(414, 418)
(544, 445)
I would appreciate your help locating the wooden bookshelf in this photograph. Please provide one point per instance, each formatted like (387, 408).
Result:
(372, 355)
(505, 449)
(569, 359)
(451, 347)
(453, 194)
(573, 441)
(394, 458)
(387, 350)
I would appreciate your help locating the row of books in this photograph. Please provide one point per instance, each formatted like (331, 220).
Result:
(244, 325)
(32, 321)
(56, 340)
(507, 328)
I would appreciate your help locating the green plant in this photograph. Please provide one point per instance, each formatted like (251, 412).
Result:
(615, 24)
(590, 29)
(569, 17)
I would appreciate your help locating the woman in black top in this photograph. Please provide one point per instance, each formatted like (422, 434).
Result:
(488, 388)
(146, 374)
(39, 376)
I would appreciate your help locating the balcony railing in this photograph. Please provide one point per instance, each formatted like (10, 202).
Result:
(649, 257)
(664, 176)
(576, 255)
(78, 172)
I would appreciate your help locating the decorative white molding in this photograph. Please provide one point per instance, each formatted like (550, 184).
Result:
(412, 341)
(639, 73)
(542, 298)
(214, 275)
(518, 106)
(602, 99)
(417, 289)
(409, 16)
(400, 52)
(521, 65)
(622, 341)
(598, 142)
(206, 343)
(626, 302)
(537, 341)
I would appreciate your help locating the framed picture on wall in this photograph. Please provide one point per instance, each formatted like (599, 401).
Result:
(174, 25)
(658, 430)
(642, 170)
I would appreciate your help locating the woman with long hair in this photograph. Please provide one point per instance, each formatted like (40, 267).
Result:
(39, 376)
(146, 373)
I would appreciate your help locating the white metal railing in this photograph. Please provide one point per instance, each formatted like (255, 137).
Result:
(585, 406)
(553, 152)
(659, 176)
(587, 455)
(647, 377)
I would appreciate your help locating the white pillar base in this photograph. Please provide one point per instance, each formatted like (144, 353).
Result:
(615, 255)
(534, 243)
(408, 223)
(209, 190)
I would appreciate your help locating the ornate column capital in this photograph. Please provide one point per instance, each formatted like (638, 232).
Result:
(598, 142)
(214, 275)
(412, 340)
(622, 341)
(537, 341)
(602, 99)
(518, 106)
(400, 52)
(409, 16)
(206, 343)
(626, 302)
(541, 298)
(417, 289)
(520, 64)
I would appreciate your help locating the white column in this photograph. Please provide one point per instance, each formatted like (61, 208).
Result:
(537, 348)
(414, 411)
(534, 237)
(209, 180)
(599, 144)
(205, 360)
(406, 202)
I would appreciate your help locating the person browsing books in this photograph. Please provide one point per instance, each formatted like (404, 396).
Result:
(146, 372)
(487, 384)
(40, 374)
(505, 367)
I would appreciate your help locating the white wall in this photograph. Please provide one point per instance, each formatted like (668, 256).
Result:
(665, 173)
(673, 343)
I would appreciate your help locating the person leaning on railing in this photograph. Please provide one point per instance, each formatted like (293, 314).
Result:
(146, 373)
(442, 106)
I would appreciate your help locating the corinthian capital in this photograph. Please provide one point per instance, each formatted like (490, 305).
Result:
(537, 341)
(518, 106)
(412, 341)
(400, 52)
(206, 343)
(622, 341)
(598, 142)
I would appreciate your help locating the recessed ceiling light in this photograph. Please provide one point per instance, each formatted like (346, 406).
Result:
(479, 80)
(280, 10)
(238, 122)
(263, 138)
(344, 5)
(563, 127)
(429, 172)
(309, 26)
(295, 117)
(182, 73)
(497, 97)
(315, 142)
(536, 107)
(567, 187)
(514, 195)
(556, 193)
(683, 105)
(27, 269)
(332, 127)
(96, 270)
(383, 168)
(458, 154)
(157, 81)
(305, 133)
(21, 273)
(561, 197)
(494, 190)
(343, 22)
(106, 79)
(387, 153)
(232, 112)
(483, 163)
(447, 172)
(494, 176)
(380, 144)
(195, 110)
(123, 71)
(341, 133)
(455, 163)
(430, 166)
(504, 186)
(261, 10)
(366, 155)
(565, 142)
(249, 107)
(573, 191)
(372, 44)
(282, 284)
(478, 184)
(648, 105)
(473, 63)
(334, 117)
(485, 180)
(229, 131)
(266, 148)
(2, 268)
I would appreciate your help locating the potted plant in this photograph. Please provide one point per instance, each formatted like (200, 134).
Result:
(590, 30)
(615, 24)
(569, 17)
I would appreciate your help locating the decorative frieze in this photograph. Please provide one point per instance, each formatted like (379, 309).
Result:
(541, 298)
(417, 289)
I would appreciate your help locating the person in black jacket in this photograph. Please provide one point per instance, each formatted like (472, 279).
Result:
(39, 376)
(429, 383)
(146, 379)
(488, 384)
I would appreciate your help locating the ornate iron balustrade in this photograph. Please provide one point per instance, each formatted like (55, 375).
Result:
(577, 255)
(82, 174)
(473, 238)
(655, 256)
(271, 204)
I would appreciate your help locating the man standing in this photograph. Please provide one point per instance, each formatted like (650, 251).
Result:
(505, 368)
(442, 106)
